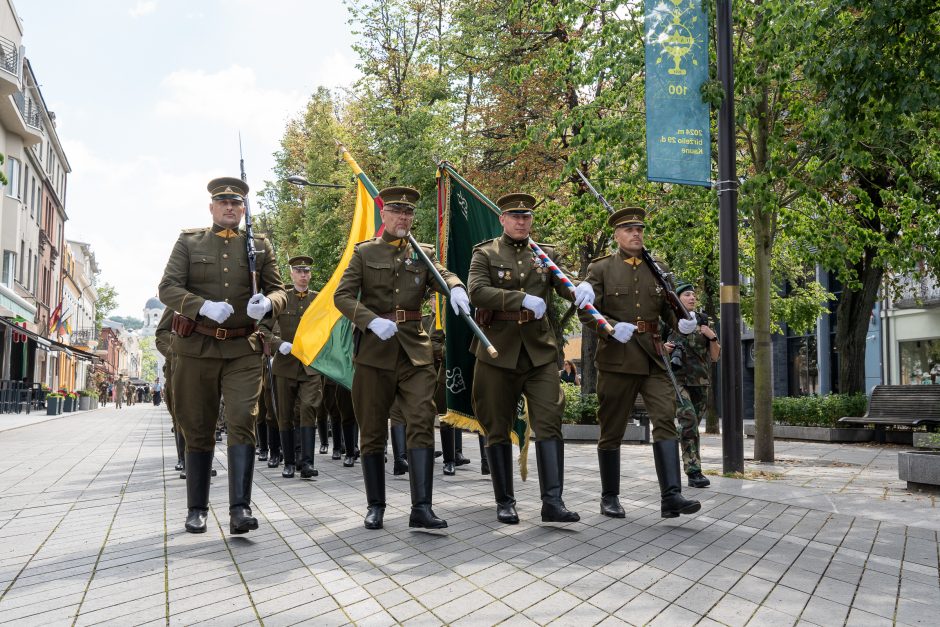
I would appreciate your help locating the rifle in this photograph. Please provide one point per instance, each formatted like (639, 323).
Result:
(658, 274)
(253, 274)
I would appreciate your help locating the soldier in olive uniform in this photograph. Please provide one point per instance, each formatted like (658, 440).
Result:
(691, 358)
(337, 401)
(299, 388)
(511, 289)
(162, 340)
(268, 434)
(381, 293)
(216, 347)
(630, 361)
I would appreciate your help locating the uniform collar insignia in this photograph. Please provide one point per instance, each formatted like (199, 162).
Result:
(226, 233)
(633, 261)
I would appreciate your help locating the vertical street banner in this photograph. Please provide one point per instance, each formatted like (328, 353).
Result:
(678, 136)
(324, 336)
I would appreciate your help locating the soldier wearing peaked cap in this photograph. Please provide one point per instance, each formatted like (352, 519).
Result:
(293, 380)
(511, 289)
(381, 292)
(216, 347)
(630, 361)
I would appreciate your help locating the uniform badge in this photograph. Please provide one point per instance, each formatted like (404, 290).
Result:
(417, 280)
(500, 274)
(408, 262)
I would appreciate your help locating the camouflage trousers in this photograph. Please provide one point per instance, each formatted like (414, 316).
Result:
(690, 414)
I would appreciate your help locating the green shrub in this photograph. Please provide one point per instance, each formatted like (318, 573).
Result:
(579, 409)
(817, 411)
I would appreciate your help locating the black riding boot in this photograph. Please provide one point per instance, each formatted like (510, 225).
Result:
(349, 444)
(180, 451)
(400, 466)
(459, 458)
(287, 449)
(373, 473)
(550, 457)
(484, 460)
(241, 467)
(609, 463)
(500, 456)
(262, 430)
(322, 431)
(666, 456)
(337, 429)
(421, 473)
(274, 442)
(447, 445)
(308, 441)
(297, 441)
(198, 466)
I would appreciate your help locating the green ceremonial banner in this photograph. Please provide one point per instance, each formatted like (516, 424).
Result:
(678, 135)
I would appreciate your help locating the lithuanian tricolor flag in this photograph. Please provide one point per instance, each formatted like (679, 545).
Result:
(324, 336)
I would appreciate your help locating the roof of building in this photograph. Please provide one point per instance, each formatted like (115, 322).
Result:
(154, 303)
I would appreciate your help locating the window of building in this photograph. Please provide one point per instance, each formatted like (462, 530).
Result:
(804, 371)
(9, 267)
(19, 271)
(13, 176)
(35, 273)
(920, 362)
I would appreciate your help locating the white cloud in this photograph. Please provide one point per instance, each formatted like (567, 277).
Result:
(143, 7)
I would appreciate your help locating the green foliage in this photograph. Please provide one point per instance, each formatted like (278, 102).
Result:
(106, 303)
(130, 323)
(580, 409)
(3, 176)
(148, 359)
(817, 411)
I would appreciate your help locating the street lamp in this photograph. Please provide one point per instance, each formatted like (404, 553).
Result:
(302, 182)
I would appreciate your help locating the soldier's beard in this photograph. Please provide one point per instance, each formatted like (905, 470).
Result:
(399, 231)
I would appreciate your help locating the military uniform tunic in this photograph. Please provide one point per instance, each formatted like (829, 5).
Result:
(502, 272)
(292, 379)
(163, 339)
(625, 290)
(385, 275)
(212, 264)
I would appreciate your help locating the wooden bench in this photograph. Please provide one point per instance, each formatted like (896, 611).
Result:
(900, 406)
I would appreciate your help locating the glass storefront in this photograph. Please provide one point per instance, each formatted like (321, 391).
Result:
(920, 362)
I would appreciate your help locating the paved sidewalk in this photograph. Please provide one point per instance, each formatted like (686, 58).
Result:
(91, 531)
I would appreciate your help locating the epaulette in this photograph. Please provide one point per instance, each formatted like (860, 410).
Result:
(259, 235)
(193, 231)
(601, 257)
(485, 242)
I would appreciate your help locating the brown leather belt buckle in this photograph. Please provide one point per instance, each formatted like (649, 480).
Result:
(401, 315)
(642, 326)
(223, 335)
(526, 315)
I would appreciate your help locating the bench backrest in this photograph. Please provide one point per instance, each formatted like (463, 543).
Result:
(905, 401)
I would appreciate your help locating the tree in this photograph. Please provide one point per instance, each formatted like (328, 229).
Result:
(106, 303)
(130, 323)
(148, 358)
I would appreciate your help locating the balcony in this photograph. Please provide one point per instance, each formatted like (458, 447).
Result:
(922, 293)
(9, 67)
(84, 338)
(20, 115)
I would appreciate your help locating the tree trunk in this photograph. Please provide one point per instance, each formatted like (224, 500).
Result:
(852, 319)
(763, 365)
(588, 369)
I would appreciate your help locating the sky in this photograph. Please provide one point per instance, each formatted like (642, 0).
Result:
(150, 96)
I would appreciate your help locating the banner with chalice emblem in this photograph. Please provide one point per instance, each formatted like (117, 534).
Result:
(678, 137)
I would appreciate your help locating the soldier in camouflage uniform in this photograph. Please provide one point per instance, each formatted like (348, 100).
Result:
(381, 292)
(691, 357)
(511, 289)
(630, 361)
(217, 350)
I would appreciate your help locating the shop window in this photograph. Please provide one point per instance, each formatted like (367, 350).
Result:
(804, 371)
(920, 362)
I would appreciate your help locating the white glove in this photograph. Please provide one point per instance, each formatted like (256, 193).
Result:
(383, 328)
(284, 348)
(687, 325)
(535, 304)
(623, 331)
(216, 311)
(258, 306)
(460, 301)
(583, 294)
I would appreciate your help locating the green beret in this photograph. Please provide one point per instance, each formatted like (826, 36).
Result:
(227, 187)
(684, 287)
(407, 196)
(518, 203)
(631, 216)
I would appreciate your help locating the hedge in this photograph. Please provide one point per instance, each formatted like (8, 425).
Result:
(817, 411)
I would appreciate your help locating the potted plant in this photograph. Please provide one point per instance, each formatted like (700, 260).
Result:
(84, 399)
(70, 402)
(53, 404)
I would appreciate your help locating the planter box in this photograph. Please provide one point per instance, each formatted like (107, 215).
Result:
(84, 402)
(921, 470)
(591, 433)
(53, 406)
(68, 404)
(833, 434)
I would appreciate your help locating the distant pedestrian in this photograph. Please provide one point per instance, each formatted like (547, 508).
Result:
(569, 373)
(157, 391)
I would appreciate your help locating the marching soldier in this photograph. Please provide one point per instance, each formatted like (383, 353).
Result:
(511, 289)
(381, 293)
(299, 388)
(162, 340)
(630, 361)
(691, 357)
(339, 405)
(216, 347)
(268, 434)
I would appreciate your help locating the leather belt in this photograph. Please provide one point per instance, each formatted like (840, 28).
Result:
(522, 316)
(401, 315)
(647, 326)
(222, 333)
